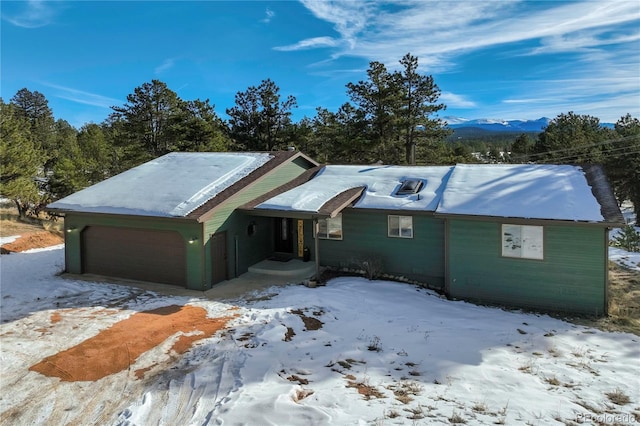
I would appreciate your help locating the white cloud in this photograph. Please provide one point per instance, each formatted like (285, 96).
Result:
(583, 95)
(309, 43)
(83, 97)
(589, 52)
(583, 42)
(349, 17)
(438, 31)
(269, 14)
(34, 14)
(456, 101)
(166, 64)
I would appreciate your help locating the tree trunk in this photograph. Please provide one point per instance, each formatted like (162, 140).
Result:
(22, 209)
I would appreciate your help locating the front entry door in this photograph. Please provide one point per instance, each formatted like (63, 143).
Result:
(284, 235)
(218, 257)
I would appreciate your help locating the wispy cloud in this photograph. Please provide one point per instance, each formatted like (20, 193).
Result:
(602, 84)
(269, 15)
(599, 41)
(82, 97)
(583, 42)
(350, 18)
(29, 14)
(166, 64)
(457, 101)
(309, 43)
(442, 29)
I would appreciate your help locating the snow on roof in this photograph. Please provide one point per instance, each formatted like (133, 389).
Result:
(381, 183)
(520, 190)
(170, 186)
(558, 192)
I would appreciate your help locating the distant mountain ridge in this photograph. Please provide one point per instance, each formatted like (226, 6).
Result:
(499, 125)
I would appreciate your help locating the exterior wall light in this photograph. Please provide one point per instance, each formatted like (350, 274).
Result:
(71, 229)
(251, 229)
(192, 240)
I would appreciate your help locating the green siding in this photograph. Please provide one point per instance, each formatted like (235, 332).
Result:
(572, 276)
(365, 234)
(76, 222)
(251, 249)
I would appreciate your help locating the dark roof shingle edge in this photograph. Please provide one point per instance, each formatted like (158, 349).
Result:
(279, 158)
(305, 177)
(601, 189)
(340, 201)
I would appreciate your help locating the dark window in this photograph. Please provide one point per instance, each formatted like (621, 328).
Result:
(400, 226)
(410, 186)
(330, 228)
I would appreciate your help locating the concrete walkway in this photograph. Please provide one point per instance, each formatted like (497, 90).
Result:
(269, 274)
(251, 282)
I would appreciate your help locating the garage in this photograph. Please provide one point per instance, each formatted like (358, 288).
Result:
(138, 254)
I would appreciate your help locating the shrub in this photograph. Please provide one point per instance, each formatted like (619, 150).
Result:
(628, 238)
(371, 266)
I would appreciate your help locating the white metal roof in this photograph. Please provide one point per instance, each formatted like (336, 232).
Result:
(532, 191)
(169, 186)
(558, 192)
(381, 183)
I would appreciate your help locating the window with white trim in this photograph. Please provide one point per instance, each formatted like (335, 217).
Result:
(400, 226)
(330, 228)
(523, 241)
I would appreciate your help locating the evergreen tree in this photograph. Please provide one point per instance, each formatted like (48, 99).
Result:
(628, 239)
(34, 108)
(127, 149)
(62, 150)
(419, 95)
(378, 100)
(623, 161)
(82, 163)
(571, 138)
(20, 159)
(259, 120)
(146, 118)
(521, 148)
(198, 128)
(398, 109)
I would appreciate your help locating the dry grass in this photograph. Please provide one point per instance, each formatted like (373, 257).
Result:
(456, 419)
(405, 390)
(301, 394)
(11, 225)
(624, 303)
(366, 390)
(553, 381)
(618, 397)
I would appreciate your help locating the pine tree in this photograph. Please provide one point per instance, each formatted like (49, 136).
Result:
(419, 95)
(260, 120)
(623, 161)
(20, 159)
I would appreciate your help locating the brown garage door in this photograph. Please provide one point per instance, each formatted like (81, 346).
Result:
(139, 254)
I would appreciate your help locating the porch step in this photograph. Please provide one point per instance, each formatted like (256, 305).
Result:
(291, 268)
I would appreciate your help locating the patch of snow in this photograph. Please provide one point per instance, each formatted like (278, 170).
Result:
(172, 185)
(520, 190)
(7, 240)
(630, 260)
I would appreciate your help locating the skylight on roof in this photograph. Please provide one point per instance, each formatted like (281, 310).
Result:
(410, 186)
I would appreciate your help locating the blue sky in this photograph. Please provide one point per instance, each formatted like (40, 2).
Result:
(491, 59)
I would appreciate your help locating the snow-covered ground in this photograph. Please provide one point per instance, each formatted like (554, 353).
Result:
(351, 352)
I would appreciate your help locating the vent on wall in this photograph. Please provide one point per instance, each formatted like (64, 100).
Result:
(410, 186)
